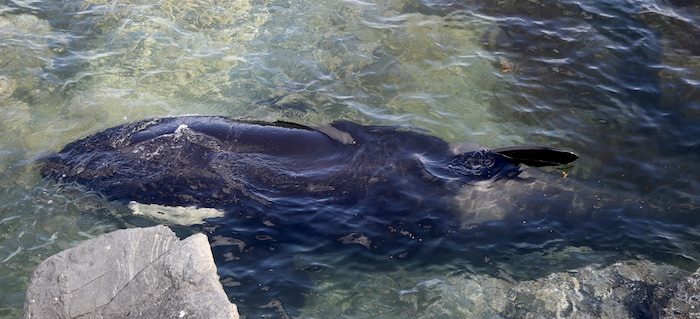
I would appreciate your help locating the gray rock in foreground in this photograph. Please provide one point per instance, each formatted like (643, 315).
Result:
(134, 273)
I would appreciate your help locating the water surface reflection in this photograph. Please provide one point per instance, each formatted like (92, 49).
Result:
(617, 82)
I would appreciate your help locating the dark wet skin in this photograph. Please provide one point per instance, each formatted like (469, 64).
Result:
(289, 189)
(214, 161)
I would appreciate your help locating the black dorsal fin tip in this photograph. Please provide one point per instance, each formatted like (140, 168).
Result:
(537, 155)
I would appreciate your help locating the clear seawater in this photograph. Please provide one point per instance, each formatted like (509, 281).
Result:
(616, 81)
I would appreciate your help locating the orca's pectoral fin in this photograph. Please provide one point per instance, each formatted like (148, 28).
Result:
(537, 156)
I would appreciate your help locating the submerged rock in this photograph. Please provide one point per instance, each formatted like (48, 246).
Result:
(24, 51)
(173, 49)
(629, 289)
(141, 273)
(685, 301)
(623, 290)
(679, 70)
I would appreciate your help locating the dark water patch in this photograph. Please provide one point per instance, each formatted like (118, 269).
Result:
(284, 268)
(677, 26)
(595, 77)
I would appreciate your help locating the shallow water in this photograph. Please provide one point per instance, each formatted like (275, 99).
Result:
(617, 83)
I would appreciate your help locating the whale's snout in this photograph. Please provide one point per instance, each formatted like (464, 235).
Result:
(51, 166)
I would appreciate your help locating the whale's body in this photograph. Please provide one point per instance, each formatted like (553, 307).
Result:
(288, 189)
(216, 162)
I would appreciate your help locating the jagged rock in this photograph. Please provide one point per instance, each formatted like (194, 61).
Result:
(135, 273)
(631, 289)
(627, 289)
(685, 301)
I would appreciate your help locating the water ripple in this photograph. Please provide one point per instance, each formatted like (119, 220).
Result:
(619, 82)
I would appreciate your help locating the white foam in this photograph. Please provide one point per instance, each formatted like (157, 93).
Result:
(178, 215)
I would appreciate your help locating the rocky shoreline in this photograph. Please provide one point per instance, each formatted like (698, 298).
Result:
(150, 273)
(629, 289)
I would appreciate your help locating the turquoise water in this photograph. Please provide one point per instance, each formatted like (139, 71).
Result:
(619, 83)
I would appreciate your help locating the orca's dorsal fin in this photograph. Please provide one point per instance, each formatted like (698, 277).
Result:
(537, 155)
(336, 134)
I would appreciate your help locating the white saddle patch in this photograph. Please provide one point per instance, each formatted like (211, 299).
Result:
(178, 215)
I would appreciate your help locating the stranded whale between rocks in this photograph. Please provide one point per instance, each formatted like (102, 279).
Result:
(217, 162)
(293, 194)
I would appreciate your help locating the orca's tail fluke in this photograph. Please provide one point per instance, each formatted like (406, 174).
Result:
(537, 156)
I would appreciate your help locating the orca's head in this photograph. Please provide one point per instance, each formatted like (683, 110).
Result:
(51, 165)
(89, 158)
(83, 168)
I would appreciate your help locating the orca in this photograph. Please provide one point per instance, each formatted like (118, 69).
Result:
(276, 193)
(211, 161)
